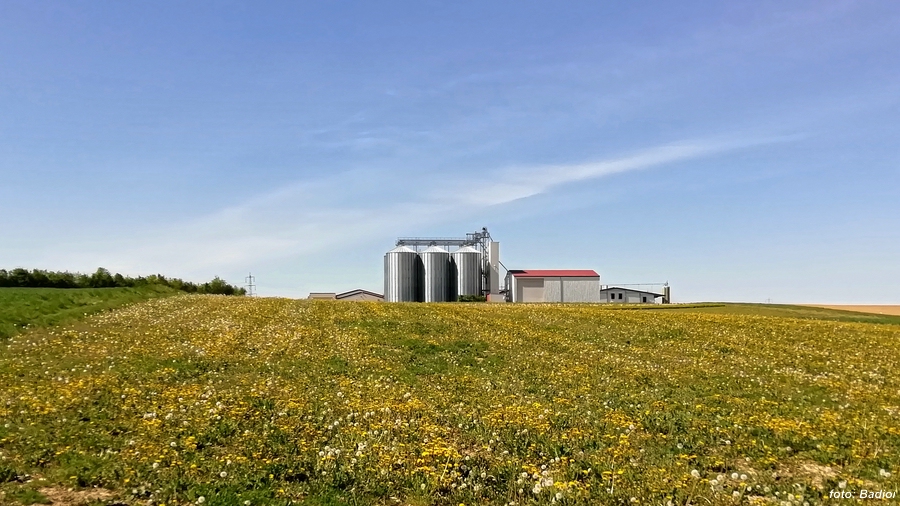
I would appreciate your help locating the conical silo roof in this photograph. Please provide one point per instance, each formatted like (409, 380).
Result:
(402, 249)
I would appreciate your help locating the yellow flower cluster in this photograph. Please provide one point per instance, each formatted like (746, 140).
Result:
(275, 401)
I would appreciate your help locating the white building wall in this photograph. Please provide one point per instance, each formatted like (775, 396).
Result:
(580, 290)
(628, 296)
(552, 290)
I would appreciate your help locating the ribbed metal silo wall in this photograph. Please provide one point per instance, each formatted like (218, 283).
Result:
(435, 275)
(465, 272)
(401, 275)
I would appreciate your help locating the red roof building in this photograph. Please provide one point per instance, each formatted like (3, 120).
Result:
(554, 273)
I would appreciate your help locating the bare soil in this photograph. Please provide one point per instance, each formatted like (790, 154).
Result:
(68, 497)
(893, 310)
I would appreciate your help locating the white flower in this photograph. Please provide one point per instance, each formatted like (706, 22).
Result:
(842, 484)
(247, 503)
(884, 473)
(695, 473)
(743, 477)
(422, 486)
(713, 482)
(173, 444)
(223, 474)
(537, 488)
(734, 476)
(201, 500)
(736, 494)
(155, 465)
(559, 496)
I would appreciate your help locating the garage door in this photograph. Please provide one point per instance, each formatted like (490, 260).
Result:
(530, 289)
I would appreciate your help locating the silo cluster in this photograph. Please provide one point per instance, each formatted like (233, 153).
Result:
(433, 275)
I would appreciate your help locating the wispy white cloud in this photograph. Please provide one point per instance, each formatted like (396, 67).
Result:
(314, 216)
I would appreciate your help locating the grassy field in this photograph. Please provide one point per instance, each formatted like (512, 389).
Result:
(22, 308)
(215, 400)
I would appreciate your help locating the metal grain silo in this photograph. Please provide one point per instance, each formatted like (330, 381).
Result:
(401, 275)
(465, 272)
(435, 274)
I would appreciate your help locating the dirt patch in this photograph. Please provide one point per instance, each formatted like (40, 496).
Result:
(813, 474)
(893, 310)
(70, 497)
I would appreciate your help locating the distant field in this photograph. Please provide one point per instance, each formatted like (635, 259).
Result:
(831, 313)
(231, 400)
(876, 309)
(22, 308)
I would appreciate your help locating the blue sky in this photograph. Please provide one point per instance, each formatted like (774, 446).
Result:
(741, 151)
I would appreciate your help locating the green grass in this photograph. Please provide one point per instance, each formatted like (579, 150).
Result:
(239, 399)
(24, 308)
(782, 310)
(277, 401)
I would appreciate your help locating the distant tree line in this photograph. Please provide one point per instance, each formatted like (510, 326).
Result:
(36, 278)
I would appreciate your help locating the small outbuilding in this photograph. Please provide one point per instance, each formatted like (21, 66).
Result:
(620, 295)
(568, 285)
(352, 295)
(360, 294)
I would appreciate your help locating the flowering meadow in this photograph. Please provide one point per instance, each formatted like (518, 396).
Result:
(202, 399)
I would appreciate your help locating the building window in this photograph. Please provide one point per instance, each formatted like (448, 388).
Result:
(620, 296)
(644, 299)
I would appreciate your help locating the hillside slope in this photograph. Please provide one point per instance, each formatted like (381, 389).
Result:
(274, 400)
(22, 308)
